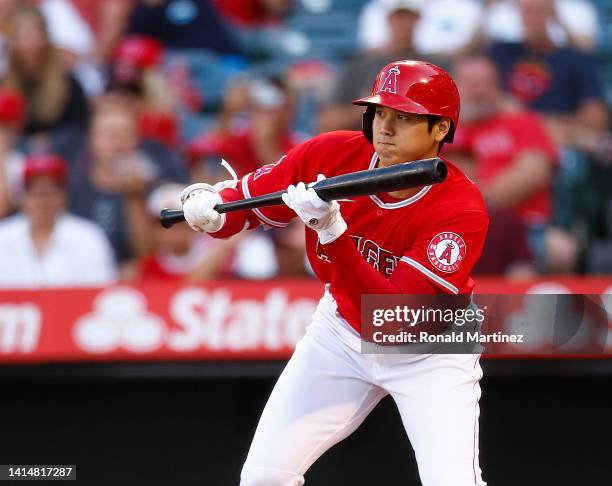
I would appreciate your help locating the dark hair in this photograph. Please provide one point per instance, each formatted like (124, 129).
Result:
(431, 121)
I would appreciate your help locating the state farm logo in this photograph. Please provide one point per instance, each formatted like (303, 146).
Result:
(120, 320)
(196, 319)
(446, 252)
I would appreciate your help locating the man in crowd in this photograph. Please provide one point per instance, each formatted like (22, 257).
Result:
(43, 246)
(513, 159)
(255, 123)
(110, 179)
(562, 83)
(356, 78)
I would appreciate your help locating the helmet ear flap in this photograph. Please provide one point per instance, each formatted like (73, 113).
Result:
(367, 121)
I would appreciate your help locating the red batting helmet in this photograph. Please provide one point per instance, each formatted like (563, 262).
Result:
(413, 87)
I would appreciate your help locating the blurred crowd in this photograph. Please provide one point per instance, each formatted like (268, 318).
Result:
(108, 108)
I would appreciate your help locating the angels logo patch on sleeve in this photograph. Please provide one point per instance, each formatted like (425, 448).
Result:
(446, 252)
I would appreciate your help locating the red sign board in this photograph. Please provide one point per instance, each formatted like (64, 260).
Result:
(230, 320)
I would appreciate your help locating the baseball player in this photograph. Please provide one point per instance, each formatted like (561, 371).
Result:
(416, 241)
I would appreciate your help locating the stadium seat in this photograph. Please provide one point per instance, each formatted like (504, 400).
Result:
(327, 6)
(333, 34)
(193, 124)
(570, 179)
(599, 258)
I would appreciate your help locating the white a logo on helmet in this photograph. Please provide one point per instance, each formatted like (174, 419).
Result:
(389, 83)
(446, 252)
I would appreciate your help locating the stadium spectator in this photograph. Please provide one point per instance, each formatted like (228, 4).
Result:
(289, 251)
(7, 9)
(563, 84)
(571, 23)
(514, 160)
(180, 254)
(254, 125)
(43, 246)
(235, 108)
(85, 30)
(446, 27)
(506, 251)
(88, 28)
(12, 110)
(269, 135)
(355, 79)
(55, 99)
(135, 75)
(180, 24)
(67, 28)
(255, 13)
(110, 179)
(203, 155)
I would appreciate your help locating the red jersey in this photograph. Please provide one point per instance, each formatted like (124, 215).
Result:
(497, 142)
(424, 244)
(163, 265)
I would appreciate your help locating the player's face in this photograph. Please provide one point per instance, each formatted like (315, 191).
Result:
(402, 137)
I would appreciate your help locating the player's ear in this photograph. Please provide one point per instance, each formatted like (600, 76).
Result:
(441, 129)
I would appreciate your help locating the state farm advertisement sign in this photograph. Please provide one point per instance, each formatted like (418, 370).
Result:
(220, 321)
(230, 320)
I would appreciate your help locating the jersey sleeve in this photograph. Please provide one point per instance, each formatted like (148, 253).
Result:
(289, 169)
(422, 270)
(267, 179)
(445, 252)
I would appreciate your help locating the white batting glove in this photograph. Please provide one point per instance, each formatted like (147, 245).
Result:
(322, 216)
(198, 202)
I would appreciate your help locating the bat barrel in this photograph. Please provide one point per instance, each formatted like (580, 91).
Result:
(387, 179)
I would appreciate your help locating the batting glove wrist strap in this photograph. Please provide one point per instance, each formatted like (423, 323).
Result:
(336, 228)
(198, 203)
(322, 216)
(195, 189)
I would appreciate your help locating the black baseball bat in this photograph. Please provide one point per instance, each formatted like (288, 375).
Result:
(364, 182)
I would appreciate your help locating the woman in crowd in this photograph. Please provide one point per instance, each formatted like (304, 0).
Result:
(37, 70)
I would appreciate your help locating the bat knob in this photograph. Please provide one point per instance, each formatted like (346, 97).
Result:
(169, 217)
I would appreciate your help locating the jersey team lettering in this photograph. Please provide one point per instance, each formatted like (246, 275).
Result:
(446, 252)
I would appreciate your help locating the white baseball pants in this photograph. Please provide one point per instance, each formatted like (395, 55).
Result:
(328, 388)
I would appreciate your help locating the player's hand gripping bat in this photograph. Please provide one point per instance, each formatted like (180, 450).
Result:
(365, 182)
